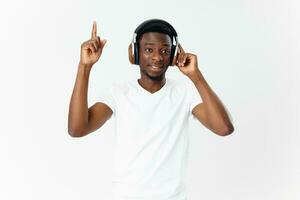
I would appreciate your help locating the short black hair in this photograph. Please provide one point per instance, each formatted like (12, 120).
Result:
(154, 27)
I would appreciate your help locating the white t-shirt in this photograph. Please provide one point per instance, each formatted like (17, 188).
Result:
(151, 139)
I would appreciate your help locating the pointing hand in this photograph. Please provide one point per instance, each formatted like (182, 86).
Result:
(91, 49)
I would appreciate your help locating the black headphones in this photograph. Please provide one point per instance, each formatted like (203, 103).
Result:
(164, 27)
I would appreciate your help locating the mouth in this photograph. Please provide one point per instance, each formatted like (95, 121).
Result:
(155, 68)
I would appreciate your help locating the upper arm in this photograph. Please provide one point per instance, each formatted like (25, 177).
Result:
(200, 113)
(98, 114)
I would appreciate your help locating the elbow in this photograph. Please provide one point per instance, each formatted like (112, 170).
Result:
(76, 132)
(76, 129)
(224, 131)
(227, 132)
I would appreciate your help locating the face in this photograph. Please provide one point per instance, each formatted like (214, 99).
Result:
(154, 55)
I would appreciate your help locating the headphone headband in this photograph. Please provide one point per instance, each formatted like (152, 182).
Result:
(158, 22)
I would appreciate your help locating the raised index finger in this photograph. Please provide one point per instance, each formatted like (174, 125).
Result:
(94, 31)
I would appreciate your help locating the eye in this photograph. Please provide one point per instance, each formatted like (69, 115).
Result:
(166, 51)
(148, 50)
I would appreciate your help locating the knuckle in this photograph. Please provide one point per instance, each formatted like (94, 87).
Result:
(84, 45)
(91, 42)
(95, 42)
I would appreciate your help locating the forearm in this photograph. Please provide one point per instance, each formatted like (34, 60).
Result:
(78, 108)
(216, 113)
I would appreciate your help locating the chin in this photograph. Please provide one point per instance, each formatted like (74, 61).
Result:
(155, 77)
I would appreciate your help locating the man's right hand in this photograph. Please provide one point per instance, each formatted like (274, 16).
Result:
(91, 50)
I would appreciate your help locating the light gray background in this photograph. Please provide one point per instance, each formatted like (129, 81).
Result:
(248, 51)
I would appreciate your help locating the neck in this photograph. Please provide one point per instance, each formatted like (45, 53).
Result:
(152, 85)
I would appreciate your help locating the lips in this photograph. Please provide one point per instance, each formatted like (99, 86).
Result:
(155, 68)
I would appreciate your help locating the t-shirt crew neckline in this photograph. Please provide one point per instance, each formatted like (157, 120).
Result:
(143, 90)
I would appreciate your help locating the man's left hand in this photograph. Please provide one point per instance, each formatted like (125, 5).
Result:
(187, 62)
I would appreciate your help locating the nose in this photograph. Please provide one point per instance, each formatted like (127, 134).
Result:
(157, 56)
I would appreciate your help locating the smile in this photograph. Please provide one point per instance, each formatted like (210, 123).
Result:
(155, 68)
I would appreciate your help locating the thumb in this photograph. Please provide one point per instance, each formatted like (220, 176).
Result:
(103, 42)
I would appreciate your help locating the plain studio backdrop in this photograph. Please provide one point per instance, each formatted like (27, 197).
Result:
(247, 50)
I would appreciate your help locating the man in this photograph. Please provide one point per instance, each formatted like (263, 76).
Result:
(151, 112)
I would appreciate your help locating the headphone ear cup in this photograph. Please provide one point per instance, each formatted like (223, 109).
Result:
(130, 54)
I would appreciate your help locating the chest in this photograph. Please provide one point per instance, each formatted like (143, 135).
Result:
(143, 110)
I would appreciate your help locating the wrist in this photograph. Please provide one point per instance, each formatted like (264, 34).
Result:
(84, 68)
(85, 65)
(196, 76)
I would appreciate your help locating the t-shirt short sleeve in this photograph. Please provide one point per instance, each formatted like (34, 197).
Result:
(194, 97)
(106, 96)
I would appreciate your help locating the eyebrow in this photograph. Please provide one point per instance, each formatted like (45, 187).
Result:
(150, 43)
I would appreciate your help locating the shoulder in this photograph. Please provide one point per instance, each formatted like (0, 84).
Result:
(122, 86)
(179, 85)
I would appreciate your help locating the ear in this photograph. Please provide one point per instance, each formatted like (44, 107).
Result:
(130, 54)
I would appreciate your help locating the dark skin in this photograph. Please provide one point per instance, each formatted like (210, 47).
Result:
(154, 50)
(154, 62)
